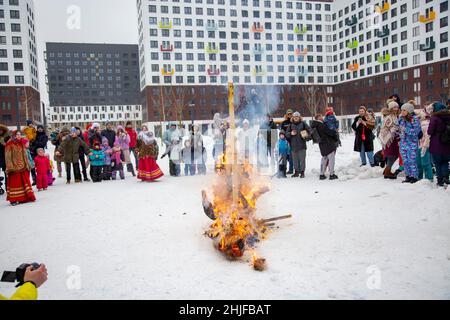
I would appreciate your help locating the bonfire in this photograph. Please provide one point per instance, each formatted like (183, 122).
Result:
(236, 230)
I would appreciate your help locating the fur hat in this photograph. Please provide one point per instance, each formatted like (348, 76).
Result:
(408, 107)
(392, 104)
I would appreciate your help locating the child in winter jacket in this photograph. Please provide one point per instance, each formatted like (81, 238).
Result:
(50, 178)
(30, 159)
(107, 150)
(42, 166)
(116, 162)
(186, 155)
(332, 123)
(175, 156)
(409, 141)
(284, 151)
(97, 159)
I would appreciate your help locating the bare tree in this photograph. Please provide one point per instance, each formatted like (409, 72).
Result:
(181, 98)
(315, 97)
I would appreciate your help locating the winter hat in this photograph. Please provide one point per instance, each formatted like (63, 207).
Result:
(29, 122)
(245, 121)
(439, 106)
(119, 128)
(105, 141)
(96, 144)
(408, 107)
(282, 133)
(73, 130)
(89, 126)
(40, 126)
(296, 114)
(95, 125)
(289, 111)
(392, 104)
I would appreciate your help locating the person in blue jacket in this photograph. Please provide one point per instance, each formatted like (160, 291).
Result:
(97, 159)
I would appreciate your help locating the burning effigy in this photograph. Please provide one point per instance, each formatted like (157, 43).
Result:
(236, 229)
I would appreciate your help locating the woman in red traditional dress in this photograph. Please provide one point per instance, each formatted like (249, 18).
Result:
(18, 170)
(147, 150)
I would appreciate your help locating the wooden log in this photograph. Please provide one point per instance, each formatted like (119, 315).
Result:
(264, 221)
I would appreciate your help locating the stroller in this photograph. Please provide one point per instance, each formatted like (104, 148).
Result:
(2, 191)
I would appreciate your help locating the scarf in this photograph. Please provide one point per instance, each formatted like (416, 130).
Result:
(147, 137)
(389, 129)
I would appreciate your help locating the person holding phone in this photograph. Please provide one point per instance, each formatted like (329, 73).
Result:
(32, 279)
(298, 132)
(364, 136)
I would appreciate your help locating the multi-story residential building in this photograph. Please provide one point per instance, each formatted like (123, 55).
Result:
(289, 54)
(93, 83)
(19, 84)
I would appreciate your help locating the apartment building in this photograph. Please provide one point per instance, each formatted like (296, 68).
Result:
(307, 54)
(19, 85)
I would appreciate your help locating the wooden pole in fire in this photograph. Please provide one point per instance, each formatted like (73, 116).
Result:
(232, 142)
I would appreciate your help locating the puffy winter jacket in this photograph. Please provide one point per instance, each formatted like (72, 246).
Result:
(97, 158)
(133, 137)
(70, 147)
(25, 292)
(296, 141)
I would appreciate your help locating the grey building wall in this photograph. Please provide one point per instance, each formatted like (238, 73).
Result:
(81, 74)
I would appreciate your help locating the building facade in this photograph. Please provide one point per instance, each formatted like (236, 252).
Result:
(93, 83)
(19, 84)
(289, 54)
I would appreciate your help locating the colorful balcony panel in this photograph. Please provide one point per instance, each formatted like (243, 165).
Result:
(211, 27)
(351, 21)
(300, 30)
(211, 50)
(299, 52)
(257, 29)
(213, 72)
(353, 67)
(383, 33)
(167, 73)
(384, 59)
(425, 19)
(167, 49)
(163, 25)
(383, 8)
(428, 46)
(352, 44)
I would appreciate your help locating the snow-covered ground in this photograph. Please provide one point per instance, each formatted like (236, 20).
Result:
(360, 237)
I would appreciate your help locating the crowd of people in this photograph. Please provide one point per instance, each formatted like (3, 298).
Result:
(418, 139)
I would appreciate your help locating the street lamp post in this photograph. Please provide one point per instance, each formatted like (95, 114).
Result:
(191, 109)
(18, 108)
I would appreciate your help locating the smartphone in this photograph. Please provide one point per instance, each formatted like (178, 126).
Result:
(8, 276)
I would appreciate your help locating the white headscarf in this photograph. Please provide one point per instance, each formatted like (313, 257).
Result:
(147, 136)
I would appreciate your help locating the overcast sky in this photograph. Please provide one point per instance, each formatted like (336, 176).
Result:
(101, 21)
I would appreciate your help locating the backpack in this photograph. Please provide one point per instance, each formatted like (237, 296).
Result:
(445, 135)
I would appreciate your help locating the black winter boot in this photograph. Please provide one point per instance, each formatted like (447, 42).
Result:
(131, 169)
(407, 180)
(296, 174)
